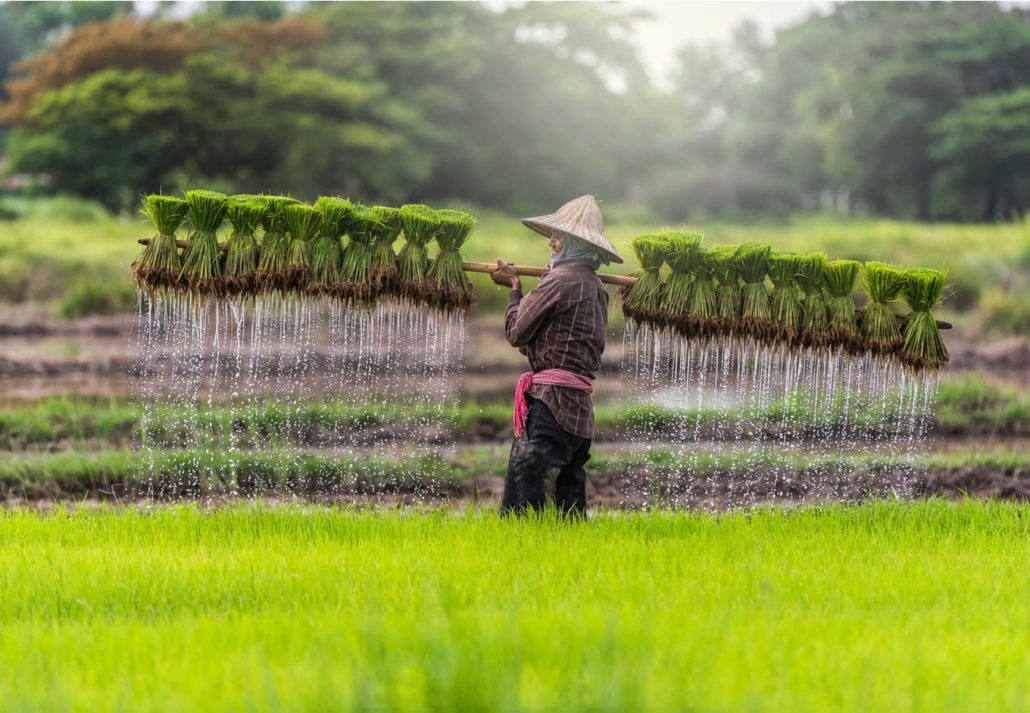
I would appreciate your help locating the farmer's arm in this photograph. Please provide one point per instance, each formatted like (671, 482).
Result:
(525, 315)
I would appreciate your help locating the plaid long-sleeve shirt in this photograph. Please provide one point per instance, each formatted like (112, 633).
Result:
(562, 325)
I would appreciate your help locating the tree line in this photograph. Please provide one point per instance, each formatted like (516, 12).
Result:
(909, 110)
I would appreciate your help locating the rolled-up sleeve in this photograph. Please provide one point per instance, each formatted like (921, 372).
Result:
(525, 315)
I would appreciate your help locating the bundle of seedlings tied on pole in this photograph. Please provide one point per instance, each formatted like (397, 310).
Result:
(327, 248)
(277, 245)
(158, 267)
(421, 224)
(751, 300)
(202, 268)
(245, 214)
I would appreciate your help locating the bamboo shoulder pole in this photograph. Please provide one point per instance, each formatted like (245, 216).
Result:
(485, 267)
(532, 271)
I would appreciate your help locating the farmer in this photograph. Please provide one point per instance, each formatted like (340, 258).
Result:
(561, 326)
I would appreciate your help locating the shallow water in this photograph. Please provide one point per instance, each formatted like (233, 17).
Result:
(818, 404)
(278, 355)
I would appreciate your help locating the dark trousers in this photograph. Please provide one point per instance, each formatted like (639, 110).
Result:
(546, 465)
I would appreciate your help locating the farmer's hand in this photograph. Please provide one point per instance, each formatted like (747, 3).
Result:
(506, 276)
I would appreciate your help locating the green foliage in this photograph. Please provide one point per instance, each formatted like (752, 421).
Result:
(727, 277)
(753, 265)
(383, 272)
(883, 284)
(785, 304)
(810, 277)
(681, 256)
(358, 609)
(166, 213)
(355, 286)
(271, 273)
(839, 279)
(207, 210)
(302, 224)
(1005, 311)
(703, 304)
(421, 224)
(643, 300)
(327, 248)
(452, 290)
(202, 267)
(158, 265)
(89, 297)
(923, 346)
(245, 214)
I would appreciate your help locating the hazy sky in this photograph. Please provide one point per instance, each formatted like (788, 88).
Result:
(678, 23)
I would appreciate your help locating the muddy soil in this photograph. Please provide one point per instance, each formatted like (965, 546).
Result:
(636, 488)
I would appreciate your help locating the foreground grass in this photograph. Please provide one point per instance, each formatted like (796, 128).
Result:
(881, 607)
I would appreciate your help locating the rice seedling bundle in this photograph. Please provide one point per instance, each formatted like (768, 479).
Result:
(681, 256)
(383, 273)
(158, 267)
(302, 225)
(245, 214)
(785, 302)
(879, 326)
(420, 223)
(922, 347)
(327, 247)
(755, 310)
(727, 296)
(839, 278)
(815, 317)
(642, 302)
(202, 268)
(354, 286)
(704, 308)
(451, 287)
(275, 247)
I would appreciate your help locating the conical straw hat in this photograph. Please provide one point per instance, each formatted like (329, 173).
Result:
(579, 218)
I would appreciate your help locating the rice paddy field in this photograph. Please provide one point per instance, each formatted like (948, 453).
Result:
(298, 528)
(886, 606)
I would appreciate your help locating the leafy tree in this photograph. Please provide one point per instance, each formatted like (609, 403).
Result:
(984, 146)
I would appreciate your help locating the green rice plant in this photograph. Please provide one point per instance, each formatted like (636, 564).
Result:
(327, 247)
(275, 247)
(451, 287)
(815, 318)
(202, 261)
(245, 214)
(785, 302)
(383, 273)
(421, 224)
(359, 608)
(879, 325)
(839, 279)
(727, 295)
(755, 310)
(642, 302)
(681, 256)
(704, 306)
(302, 226)
(158, 266)
(923, 347)
(355, 287)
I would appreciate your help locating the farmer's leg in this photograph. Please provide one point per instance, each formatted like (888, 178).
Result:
(535, 461)
(570, 492)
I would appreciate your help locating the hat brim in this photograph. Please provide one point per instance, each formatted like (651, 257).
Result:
(541, 226)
